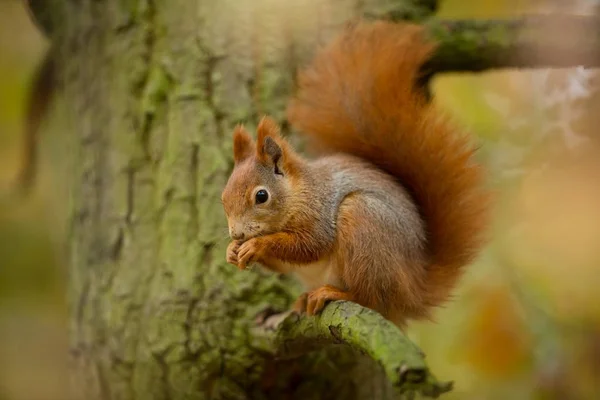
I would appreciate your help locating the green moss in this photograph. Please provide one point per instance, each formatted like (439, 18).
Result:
(155, 90)
(366, 331)
(501, 35)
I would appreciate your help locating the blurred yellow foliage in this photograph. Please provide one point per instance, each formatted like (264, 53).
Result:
(496, 341)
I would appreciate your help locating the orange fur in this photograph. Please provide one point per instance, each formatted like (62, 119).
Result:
(359, 97)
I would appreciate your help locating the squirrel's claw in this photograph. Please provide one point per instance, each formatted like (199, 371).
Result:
(317, 298)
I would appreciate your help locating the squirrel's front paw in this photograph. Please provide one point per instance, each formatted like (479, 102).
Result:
(249, 251)
(232, 252)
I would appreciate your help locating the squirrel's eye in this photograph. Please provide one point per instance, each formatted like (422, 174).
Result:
(261, 196)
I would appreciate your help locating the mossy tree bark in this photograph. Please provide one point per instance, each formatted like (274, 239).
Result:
(153, 90)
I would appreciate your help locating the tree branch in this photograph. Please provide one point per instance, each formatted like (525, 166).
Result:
(46, 14)
(347, 323)
(550, 41)
(404, 10)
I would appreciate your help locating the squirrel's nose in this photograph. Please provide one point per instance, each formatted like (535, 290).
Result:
(237, 235)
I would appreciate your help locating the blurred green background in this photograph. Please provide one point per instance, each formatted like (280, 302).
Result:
(525, 321)
(32, 284)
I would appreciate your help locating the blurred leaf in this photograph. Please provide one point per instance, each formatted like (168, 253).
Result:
(496, 341)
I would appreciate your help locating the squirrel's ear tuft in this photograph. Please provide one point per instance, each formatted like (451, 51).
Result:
(267, 127)
(242, 144)
(270, 147)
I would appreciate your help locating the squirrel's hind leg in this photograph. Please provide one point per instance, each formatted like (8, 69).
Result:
(379, 254)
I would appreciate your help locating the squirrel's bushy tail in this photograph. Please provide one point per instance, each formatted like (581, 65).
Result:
(359, 96)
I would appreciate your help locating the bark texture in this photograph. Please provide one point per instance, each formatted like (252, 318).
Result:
(153, 89)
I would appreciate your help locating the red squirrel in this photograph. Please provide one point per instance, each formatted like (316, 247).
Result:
(395, 205)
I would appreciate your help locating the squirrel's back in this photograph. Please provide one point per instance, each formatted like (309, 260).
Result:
(359, 96)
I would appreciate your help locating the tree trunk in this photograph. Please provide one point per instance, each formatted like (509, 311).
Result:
(153, 89)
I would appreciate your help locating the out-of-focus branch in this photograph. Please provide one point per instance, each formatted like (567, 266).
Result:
(544, 41)
(405, 10)
(44, 13)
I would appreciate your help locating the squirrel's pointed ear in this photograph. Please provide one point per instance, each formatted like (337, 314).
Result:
(267, 127)
(272, 149)
(242, 144)
(270, 146)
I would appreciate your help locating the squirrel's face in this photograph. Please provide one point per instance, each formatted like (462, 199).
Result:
(257, 194)
(254, 199)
